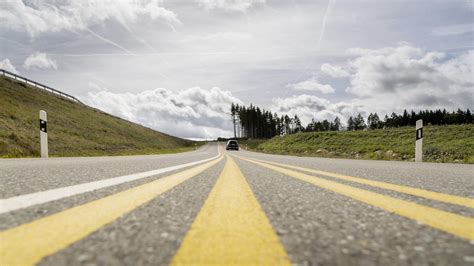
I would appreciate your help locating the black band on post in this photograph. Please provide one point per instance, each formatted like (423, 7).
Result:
(419, 133)
(43, 126)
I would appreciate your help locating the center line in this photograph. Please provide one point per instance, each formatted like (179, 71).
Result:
(231, 228)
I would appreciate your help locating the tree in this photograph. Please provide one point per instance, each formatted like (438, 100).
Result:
(359, 122)
(350, 124)
(460, 117)
(326, 125)
(287, 122)
(469, 117)
(387, 121)
(377, 121)
(297, 124)
(310, 126)
(405, 119)
(233, 112)
(336, 125)
(369, 121)
(279, 126)
(373, 121)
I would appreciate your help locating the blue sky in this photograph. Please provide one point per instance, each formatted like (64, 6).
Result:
(177, 65)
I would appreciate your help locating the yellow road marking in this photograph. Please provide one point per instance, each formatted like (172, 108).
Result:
(27, 244)
(449, 222)
(457, 200)
(231, 228)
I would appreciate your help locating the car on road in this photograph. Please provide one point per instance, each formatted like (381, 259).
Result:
(232, 145)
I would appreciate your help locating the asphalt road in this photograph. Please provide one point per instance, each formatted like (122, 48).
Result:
(217, 207)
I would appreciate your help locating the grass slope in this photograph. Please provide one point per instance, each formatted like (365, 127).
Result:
(73, 129)
(450, 143)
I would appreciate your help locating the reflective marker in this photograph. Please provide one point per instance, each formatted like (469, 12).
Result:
(43, 134)
(419, 141)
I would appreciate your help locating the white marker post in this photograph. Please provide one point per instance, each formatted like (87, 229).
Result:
(43, 134)
(419, 141)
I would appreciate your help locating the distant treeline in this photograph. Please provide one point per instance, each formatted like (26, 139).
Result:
(433, 117)
(254, 122)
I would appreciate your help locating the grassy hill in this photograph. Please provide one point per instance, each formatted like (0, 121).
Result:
(450, 143)
(73, 129)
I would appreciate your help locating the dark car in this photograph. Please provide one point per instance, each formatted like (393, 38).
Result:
(232, 145)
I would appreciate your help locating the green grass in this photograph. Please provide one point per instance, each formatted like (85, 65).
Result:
(450, 143)
(73, 129)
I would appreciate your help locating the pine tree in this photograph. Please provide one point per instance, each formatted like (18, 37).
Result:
(336, 124)
(369, 120)
(359, 122)
(373, 121)
(469, 117)
(350, 124)
(326, 125)
(405, 118)
(376, 121)
(297, 124)
(233, 112)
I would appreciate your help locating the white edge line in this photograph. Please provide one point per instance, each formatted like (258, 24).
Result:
(28, 200)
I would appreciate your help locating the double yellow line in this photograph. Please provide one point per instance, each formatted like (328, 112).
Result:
(231, 228)
(455, 224)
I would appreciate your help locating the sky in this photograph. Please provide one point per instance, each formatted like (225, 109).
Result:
(177, 65)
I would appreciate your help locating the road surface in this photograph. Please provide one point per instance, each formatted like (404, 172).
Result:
(215, 207)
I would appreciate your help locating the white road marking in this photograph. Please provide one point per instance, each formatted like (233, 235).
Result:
(28, 200)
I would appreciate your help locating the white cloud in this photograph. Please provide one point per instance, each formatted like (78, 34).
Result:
(312, 85)
(41, 61)
(334, 71)
(233, 5)
(453, 29)
(308, 107)
(191, 113)
(410, 77)
(460, 70)
(8, 66)
(52, 16)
